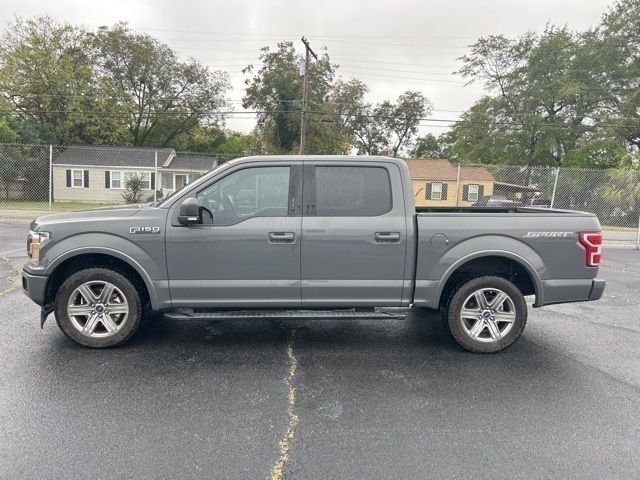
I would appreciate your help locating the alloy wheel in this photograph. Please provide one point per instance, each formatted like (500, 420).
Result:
(98, 309)
(487, 315)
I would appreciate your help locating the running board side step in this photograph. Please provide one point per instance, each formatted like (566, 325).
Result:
(267, 314)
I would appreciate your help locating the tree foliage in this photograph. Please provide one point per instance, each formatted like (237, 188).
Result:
(558, 97)
(339, 118)
(133, 190)
(110, 87)
(275, 90)
(162, 96)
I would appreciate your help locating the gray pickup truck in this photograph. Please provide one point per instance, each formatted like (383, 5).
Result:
(311, 237)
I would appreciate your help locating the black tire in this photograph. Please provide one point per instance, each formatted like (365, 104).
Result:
(452, 309)
(125, 286)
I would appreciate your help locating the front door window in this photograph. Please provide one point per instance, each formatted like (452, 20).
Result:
(247, 193)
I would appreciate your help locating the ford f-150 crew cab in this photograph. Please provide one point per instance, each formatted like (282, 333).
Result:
(312, 237)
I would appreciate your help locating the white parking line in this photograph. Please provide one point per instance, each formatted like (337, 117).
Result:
(12, 251)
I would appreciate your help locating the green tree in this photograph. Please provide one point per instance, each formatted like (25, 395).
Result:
(275, 90)
(540, 103)
(427, 146)
(389, 125)
(47, 75)
(211, 138)
(162, 96)
(623, 189)
(133, 190)
(614, 50)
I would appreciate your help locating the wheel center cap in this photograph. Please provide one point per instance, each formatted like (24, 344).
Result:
(99, 307)
(486, 314)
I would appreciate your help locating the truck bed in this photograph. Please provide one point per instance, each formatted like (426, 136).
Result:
(497, 210)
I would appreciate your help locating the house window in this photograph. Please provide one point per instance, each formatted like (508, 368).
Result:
(116, 179)
(78, 179)
(145, 177)
(436, 191)
(180, 180)
(473, 193)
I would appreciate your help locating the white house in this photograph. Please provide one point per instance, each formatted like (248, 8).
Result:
(99, 174)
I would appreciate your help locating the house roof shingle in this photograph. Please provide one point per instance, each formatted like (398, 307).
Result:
(129, 157)
(440, 169)
(201, 163)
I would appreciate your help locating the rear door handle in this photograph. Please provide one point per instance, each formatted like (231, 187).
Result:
(387, 237)
(282, 237)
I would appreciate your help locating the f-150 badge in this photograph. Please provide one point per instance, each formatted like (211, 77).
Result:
(144, 230)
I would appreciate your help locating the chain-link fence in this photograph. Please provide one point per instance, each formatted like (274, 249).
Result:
(36, 179)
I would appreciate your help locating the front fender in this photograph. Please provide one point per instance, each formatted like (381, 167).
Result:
(148, 262)
(433, 275)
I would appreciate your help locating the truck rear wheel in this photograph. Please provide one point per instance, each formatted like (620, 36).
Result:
(98, 308)
(486, 314)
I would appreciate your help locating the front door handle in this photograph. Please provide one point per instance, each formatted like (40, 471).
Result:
(387, 237)
(282, 237)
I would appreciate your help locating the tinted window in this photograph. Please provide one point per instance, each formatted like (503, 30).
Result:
(352, 191)
(252, 192)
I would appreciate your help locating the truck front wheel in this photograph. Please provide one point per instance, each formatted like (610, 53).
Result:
(98, 308)
(486, 314)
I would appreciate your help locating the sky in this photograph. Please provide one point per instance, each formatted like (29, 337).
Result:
(392, 46)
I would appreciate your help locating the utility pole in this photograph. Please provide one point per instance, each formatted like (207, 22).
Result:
(305, 91)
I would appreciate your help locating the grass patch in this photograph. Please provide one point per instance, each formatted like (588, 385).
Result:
(43, 206)
(613, 228)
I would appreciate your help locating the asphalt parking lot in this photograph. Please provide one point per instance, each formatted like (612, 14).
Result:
(324, 399)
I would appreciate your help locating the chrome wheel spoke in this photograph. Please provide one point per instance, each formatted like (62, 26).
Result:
(87, 293)
(494, 331)
(469, 313)
(477, 329)
(108, 323)
(118, 308)
(481, 300)
(90, 325)
(83, 309)
(106, 293)
(498, 300)
(507, 317)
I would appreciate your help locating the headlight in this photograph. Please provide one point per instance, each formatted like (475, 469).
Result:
(34, 242)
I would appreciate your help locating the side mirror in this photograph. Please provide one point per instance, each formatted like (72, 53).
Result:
(189, 212)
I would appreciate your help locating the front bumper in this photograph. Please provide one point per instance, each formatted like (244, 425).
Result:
(35, 287)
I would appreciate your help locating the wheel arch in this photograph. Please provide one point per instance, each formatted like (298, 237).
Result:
(493, 262)
(90, 257)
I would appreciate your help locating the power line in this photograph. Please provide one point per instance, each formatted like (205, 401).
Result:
(315, 112)
(360, 67)
(348, 42)
(289, 35)
(402, 77)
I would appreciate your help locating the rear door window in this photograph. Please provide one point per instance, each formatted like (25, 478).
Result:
(352, 191)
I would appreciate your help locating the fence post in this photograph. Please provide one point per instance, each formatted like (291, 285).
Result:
(638, 238)
(50, 177)
(155, 185)
(458, 186)
(555, 186)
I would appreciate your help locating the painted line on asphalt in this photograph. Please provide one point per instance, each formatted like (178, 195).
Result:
(285, 443)
(8, 278)
(11, 251)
